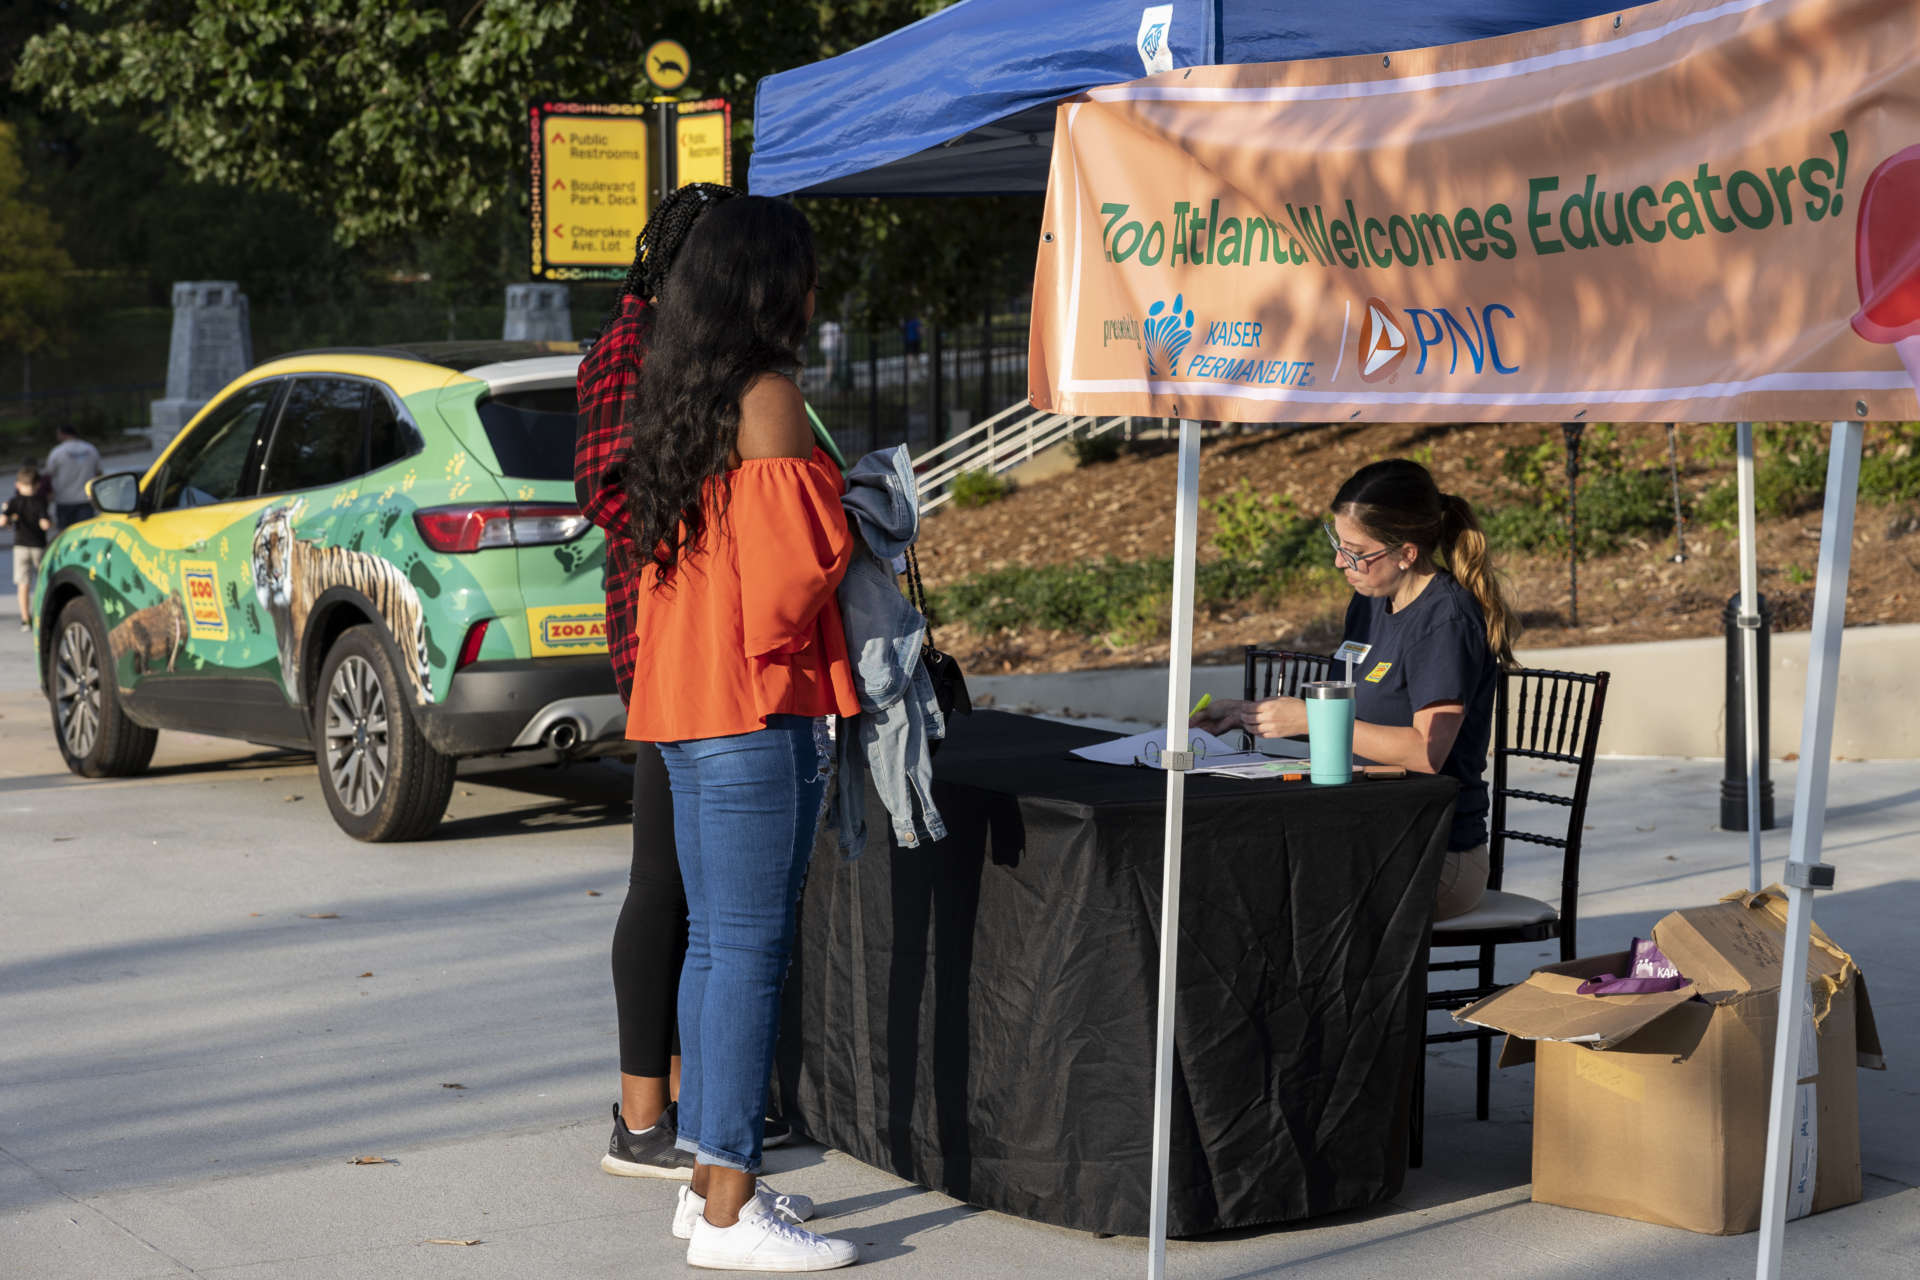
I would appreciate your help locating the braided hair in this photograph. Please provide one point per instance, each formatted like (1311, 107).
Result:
(659, 241)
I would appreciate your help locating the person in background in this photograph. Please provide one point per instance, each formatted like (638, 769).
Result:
(26, 514)
(833, 352)
(650, 940)
(740, 657)
(1427, 601)
(72, 463)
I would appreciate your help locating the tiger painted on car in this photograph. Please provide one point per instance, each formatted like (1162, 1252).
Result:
(290, 574)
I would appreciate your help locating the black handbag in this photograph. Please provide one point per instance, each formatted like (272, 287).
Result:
(949, 683)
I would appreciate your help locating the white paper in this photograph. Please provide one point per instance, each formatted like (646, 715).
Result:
(1145, 749)
(1256, 768)
(1154, 40)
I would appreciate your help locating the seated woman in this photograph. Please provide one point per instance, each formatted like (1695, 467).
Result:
(1426, 600)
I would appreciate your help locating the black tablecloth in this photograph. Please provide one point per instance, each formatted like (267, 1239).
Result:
(977, 1015)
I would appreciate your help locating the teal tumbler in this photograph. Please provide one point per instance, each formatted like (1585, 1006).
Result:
(1329, 730)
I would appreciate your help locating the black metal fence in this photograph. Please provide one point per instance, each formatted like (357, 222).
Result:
(28, 420)
(876, 385)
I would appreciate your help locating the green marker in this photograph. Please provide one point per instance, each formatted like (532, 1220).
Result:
(1206, 700)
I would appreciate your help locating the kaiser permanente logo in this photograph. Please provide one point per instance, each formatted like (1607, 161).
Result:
(1388, 335)
(1230, 351)
(1169, 329)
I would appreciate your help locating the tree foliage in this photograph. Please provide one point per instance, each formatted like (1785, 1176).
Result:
(33, 266)
(403, 119)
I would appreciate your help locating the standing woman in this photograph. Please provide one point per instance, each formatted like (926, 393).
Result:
(1426, 600)
(650, 940)
(740, 659)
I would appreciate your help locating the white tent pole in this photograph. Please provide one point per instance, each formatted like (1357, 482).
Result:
(1804, 871)
(1179, 685)
(1750, 650)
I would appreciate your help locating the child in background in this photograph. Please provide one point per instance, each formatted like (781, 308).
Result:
(26, 514)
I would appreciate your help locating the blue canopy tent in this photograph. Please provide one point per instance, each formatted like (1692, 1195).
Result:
(961, 102)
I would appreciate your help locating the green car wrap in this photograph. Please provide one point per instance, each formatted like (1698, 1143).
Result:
(218, 598)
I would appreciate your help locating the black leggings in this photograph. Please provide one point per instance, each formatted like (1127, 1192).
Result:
(650, 942)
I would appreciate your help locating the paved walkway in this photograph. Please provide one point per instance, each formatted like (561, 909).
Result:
(213, 1002)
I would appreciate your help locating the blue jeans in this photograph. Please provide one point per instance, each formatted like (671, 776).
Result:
(745, 810)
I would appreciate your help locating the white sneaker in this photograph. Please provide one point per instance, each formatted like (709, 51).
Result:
(762, 1241)
(791, 1207)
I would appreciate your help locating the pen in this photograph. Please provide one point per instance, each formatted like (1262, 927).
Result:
(1206, 700)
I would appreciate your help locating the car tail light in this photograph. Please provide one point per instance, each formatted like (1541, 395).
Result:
(470, 647)
(499, 524)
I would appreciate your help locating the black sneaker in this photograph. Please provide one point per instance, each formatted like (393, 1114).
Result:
(646, 1155)
(778, 1133)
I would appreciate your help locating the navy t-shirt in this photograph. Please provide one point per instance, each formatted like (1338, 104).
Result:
(1434, 650)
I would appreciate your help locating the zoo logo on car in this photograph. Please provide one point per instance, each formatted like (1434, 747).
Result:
(1384, 344)
(200, 587)
(565, 629)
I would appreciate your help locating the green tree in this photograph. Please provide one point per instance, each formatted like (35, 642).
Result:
(404, 120)
(33, 266)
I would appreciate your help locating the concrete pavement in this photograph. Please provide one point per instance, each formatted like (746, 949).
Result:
(213, 1001)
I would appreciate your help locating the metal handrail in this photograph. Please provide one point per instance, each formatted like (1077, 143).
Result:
(1008, 438)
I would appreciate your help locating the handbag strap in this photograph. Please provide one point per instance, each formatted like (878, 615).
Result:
(917, 596)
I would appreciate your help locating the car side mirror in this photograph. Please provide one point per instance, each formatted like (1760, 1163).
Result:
(118, 493)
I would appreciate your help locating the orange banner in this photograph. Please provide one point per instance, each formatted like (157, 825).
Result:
(1688, 211)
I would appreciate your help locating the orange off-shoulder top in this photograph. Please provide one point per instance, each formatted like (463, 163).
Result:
(747, 626)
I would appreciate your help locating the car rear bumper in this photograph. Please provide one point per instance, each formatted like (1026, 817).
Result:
(501, 706)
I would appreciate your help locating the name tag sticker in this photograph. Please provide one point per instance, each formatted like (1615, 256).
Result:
(1376, 675)
(1352, 651)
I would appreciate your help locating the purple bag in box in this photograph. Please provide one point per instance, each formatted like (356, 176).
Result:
(1650, 971)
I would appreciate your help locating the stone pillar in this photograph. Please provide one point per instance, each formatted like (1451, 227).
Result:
(212, 345)
(538, 313)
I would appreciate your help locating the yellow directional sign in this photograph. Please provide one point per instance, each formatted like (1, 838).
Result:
(590, 192)
(668, 65)
(703, 136)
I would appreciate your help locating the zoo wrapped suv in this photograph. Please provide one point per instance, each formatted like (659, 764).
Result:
(371, 554)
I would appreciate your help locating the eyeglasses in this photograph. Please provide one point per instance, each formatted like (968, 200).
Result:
(1349, 558)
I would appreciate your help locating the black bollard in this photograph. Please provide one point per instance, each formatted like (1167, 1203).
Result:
(1733, 789)
(1572, 431)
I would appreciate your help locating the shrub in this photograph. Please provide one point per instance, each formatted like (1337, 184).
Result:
(1891, 473)
(1616, 501)
(1263, 529)
(978, 488)
(1091, 451)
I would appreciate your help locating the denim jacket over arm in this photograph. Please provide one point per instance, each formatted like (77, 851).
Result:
(899, 715)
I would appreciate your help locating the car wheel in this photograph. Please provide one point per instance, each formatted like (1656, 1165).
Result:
(382, 779)
(96, 738)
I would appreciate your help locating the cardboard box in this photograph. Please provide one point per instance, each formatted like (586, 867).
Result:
(1655, 1106)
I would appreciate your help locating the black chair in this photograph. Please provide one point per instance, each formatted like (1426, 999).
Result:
(1537, 715)
(1279, 673)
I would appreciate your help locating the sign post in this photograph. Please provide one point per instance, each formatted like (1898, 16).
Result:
(591, 196)
(599, 169)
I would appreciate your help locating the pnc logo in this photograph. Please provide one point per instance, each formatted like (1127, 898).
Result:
(1169, 328)
(1383, 344)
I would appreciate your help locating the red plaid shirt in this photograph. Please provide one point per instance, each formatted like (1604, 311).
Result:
(606, 381)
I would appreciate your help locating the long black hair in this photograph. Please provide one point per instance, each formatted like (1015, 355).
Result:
(1397, 502)
(732, 307)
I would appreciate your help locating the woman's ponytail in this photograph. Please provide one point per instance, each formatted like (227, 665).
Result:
(1464, 545)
